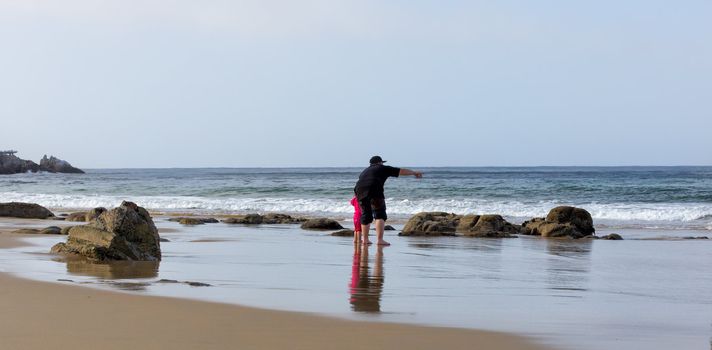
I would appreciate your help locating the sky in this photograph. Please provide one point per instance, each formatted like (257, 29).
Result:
(270, 83)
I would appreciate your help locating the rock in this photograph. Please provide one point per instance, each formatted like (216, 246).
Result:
(65, 230)
(389, 228)
(270, 219)
(531, 227)
(27, 231)
(180, 219)
(249, 219)
(11, 164)
(431, 224)
(56, 165)
(198, 284)
(698, 237)
(488, 226)
(24, 210)
(612, 237)
(94, 213)
(275, 218)
(191, 221)
(123, 233)
(577, 217)
(52, 230)
(77, 217)
(321, 224)
(343, 233)
(561, 222)
(164, 240)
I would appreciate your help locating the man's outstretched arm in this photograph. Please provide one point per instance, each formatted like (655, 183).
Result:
(406, 172)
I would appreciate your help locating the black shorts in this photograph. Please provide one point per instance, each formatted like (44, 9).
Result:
(372, 208)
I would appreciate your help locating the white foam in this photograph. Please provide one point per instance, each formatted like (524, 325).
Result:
(636, 212)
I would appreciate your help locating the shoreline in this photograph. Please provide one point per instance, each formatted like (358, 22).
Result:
(120, 320)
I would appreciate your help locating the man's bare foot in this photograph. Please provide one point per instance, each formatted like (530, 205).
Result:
(382, 242)
(367, 242)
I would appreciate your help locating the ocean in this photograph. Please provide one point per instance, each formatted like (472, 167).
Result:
(672, 198)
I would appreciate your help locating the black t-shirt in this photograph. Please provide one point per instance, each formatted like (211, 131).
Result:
(370, 182)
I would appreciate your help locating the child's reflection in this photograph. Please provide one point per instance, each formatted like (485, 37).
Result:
(365, 288)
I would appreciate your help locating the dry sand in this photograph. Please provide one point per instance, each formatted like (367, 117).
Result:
(41, 315)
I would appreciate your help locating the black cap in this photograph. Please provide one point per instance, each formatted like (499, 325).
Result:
(376, 159)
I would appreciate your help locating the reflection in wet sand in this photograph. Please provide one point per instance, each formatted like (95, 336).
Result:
(114, 269)
(366, 289)
(568, 264)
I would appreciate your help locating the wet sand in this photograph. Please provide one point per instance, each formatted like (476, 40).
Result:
(36, 315)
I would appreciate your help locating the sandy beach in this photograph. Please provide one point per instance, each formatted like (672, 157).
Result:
(36, 314)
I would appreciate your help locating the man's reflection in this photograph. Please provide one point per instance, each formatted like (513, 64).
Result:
(365, 288)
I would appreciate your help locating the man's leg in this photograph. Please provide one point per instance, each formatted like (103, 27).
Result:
(380, 216)
(380, 226)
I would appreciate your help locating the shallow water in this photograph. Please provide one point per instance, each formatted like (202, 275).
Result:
(652, 294)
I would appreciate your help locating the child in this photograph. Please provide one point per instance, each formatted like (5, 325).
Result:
(357, 220)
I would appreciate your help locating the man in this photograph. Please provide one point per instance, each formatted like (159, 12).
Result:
(371, 200)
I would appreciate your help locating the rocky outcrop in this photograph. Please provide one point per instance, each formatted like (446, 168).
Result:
(321, 224)
(123, 233)
(24, 210)
(56, 165)
(486, 226)
(431, 224)
(561, 221)
(11, 164)
(267, 219)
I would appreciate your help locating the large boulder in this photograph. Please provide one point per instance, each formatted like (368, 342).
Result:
(577, 217)
(488, 226)
(56, 165)
(321, 224)
(24, 210)
(431, 224)
(123, 233)
(561, 221)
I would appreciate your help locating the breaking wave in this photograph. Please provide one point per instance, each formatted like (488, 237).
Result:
(628, 212)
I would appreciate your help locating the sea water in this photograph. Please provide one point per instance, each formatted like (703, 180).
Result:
(628, 197)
